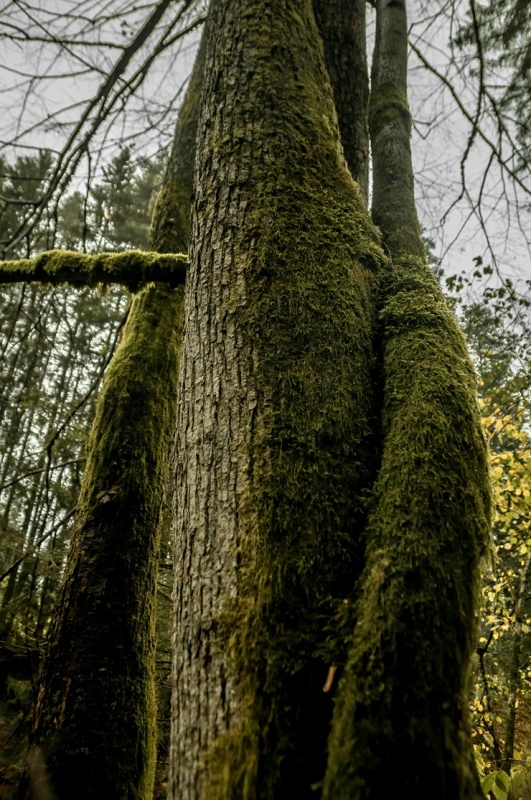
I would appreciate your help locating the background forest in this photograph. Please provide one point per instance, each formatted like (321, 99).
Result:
(56, 343)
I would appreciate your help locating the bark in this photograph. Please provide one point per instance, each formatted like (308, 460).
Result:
(94, 732)
(274, 435)
(132, 269)
(402, 708)
(343, 30)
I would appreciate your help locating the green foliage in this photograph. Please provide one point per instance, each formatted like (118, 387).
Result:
(120, 206)
(495, 319)
(112, 214)
(23, 181)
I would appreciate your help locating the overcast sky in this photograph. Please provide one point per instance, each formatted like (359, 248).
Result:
(41, 113)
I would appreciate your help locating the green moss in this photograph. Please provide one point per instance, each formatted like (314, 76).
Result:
(96, 708)
(401, 712)
(133, 268)
(402, 703)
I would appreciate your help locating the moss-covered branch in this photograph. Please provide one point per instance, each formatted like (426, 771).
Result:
(131, 269)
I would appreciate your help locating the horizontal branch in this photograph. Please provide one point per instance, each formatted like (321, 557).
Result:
(131, 268)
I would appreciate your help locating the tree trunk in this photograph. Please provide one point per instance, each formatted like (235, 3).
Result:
(95, 718)
(402, 709)
(342, 27)
(275, 427)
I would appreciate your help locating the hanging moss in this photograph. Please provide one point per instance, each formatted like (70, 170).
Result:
(303, 301)
(132, 268)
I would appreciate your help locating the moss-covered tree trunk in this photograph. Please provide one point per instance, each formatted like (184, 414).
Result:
(343, 30)
(94, 734)
(401, 717)
(275, 402)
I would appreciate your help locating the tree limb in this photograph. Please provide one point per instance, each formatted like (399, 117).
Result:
(131, 269)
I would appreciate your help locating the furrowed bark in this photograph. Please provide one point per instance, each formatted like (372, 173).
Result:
(274, 437)
(131, 269)
(342, 27)
(94, 733)
(402, 708)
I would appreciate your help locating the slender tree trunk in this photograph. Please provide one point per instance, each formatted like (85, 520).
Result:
(401, 718)
(342, 27)
(514, 678)
(274, 442)
(94, 726)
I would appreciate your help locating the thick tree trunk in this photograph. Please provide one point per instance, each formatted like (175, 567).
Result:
(342, 27)
(402, 710)
(275, 420)
(94, 735)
